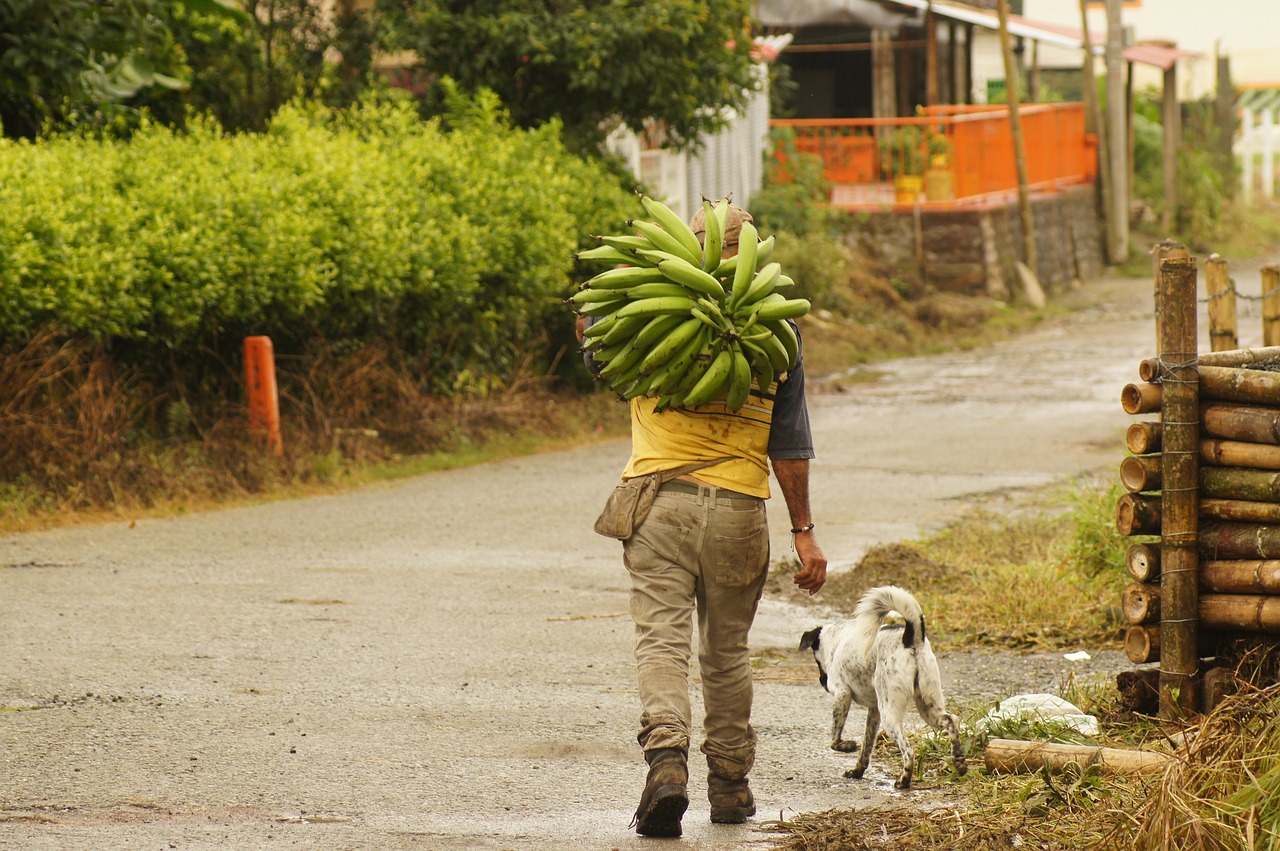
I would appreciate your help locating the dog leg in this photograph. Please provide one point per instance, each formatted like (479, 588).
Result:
(893, 725)
(868, 744)
(945, 721)
(935, 717)
(839, 715)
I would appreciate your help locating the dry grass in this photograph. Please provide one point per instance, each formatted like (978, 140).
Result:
(82, 439)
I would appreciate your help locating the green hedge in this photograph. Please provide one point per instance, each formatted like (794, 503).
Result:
(454, 245)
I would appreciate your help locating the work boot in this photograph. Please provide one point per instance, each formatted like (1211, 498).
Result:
(731, 800)
(666, 796)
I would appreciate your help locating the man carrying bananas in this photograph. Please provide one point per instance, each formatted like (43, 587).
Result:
(704, 547)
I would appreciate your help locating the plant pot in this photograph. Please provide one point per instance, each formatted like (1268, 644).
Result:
(906, 188)
(939, 185)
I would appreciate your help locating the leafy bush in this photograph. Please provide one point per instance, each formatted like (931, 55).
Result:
(369, 224)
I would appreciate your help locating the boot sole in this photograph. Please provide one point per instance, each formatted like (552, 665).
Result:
(664, 814)
(731, 815)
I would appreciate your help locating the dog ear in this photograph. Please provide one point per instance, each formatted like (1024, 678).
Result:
(809, 641)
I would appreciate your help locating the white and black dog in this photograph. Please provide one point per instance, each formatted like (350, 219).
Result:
(883, 668)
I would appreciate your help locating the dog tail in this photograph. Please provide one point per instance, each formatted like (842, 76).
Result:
(880, 601)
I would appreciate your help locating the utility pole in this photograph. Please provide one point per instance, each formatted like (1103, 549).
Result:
(1019, 146)
(1117, 136)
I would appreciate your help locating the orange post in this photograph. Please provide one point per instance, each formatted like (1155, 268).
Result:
(260, 391)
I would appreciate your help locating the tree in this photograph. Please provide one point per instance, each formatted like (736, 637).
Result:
(68, 62)
(681, 62)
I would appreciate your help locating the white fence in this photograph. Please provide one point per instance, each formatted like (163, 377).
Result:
(728, 163)
(1257, 148)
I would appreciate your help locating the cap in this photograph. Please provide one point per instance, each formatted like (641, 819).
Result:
(732, 225)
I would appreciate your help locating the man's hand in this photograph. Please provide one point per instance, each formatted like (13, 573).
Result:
(813, 563)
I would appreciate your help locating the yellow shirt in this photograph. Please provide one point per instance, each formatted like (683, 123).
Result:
(664, 440)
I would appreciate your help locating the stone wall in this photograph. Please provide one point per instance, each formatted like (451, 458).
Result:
(975, 252)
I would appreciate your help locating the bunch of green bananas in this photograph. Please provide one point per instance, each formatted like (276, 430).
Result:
(681, 323)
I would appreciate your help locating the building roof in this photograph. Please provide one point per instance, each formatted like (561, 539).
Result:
(893, 14)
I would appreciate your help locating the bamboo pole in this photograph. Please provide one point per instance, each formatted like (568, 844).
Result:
(1239, 453)
(1138, 515)
(1165, 249)
(1143, 438)
(1140, 473)
(1221, 540)
(1231, 384)
(1241, 422)
(1149, 369)
(1140, 603)
(1270, 305)
(1222, 305)
(1140, 398)
(1240, 357)
(1240, 510)
(1239, 483)
(1259, 576)
(1143, 562)
(1117, 136)
(1179, 522)
(1014, 756)
(1142, 644)
(1246, 612)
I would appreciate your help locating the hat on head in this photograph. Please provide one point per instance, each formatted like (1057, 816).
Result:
(732, 224)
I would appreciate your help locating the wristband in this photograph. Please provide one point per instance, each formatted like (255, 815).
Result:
(802, 529)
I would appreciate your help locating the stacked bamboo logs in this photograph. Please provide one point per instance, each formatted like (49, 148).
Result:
(1204, 481)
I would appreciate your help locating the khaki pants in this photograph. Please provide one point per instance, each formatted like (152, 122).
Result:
(707, 551)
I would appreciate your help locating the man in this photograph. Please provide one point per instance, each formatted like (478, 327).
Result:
(704, 546)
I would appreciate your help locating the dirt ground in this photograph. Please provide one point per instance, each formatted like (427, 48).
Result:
(444, 662)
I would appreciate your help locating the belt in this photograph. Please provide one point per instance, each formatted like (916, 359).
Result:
(681, 486)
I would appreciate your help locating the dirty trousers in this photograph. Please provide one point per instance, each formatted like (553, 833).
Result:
(703, 549)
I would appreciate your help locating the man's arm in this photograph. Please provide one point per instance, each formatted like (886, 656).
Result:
(793, 479)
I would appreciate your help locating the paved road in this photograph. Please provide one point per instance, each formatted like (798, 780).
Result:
(444, 663)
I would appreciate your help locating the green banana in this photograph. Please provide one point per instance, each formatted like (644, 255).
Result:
(748, 245)
(606, 254)
(667, 347)
(692, 277)
(776, 351)
(728, 265)
(761, 285)
(670, 374)
(712, 237)
(712, 382)
(761, 364)
(602, 308)
(672, 224)
(656, 328)
(626, 242)
(620, 330)
(722, 215)
(764, 251)
(664, 241)
(589, 296)
(787, 336)
(599, 329)
(654, 290)
(655, 306)
(784, 281)
(739, 379)
(619, 365)
(627, 276)
(707, 319)
(789, 308)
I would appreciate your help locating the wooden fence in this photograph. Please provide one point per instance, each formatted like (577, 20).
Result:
(1204, 482)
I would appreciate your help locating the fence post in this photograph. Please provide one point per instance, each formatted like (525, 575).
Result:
(261, 395)
(1223, 336)
(1247, 141)
(1179, 502)
(1270, 305)
(1268, 155)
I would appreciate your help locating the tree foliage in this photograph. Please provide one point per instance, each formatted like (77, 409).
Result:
(678, 61)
